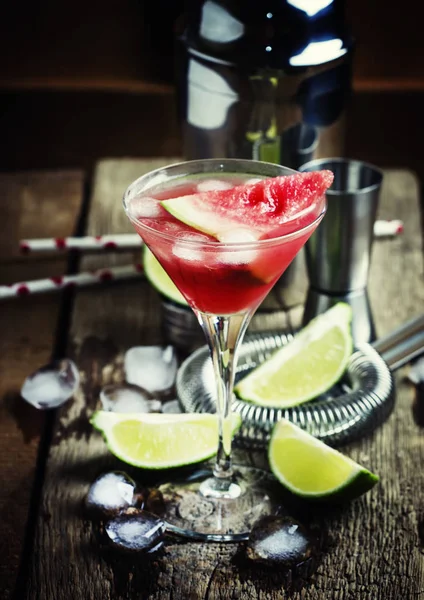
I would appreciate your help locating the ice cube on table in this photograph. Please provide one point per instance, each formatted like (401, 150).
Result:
(153, 368)
(52, 385)
(111, 492)
(128, 398)
(138, 531)
(211, 185)
(144, 206)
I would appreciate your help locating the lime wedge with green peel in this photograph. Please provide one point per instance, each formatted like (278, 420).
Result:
(309, 468)
(306, 367)
(160, 279)
(161, 441)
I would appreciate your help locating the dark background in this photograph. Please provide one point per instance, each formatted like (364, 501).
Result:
(77, 83)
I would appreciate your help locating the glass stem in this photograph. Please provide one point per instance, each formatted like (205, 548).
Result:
(223, 335)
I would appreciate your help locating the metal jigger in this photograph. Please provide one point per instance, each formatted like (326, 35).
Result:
(338, 253)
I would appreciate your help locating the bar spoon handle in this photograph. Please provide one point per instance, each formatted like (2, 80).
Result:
(403, 344)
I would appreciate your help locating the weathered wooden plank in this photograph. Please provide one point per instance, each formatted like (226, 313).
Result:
(35, 204)
(371, 549)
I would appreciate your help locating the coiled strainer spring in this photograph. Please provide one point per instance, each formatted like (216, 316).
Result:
(361, 401)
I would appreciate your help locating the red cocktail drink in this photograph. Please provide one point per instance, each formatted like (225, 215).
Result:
(221, 278)
(224, 231)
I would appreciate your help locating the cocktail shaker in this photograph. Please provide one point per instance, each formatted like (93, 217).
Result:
(338, 253)
(264, 79)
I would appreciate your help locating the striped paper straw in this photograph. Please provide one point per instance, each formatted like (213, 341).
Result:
(131, 241)
(388, 228)
(124, 241)
(55, 284)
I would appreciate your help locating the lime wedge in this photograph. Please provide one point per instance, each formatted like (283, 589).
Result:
(311, 469)
(305, 367)
(161, 441)
(159, 278)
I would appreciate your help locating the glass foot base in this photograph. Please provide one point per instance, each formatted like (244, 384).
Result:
(203, 517)
(211, 488)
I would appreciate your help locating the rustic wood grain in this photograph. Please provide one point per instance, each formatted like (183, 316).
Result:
(31, 205)
(371, 549)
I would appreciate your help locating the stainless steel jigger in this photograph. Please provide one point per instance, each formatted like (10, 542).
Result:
(338, 253)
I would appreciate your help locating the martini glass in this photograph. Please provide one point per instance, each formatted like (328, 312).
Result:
(223, 283)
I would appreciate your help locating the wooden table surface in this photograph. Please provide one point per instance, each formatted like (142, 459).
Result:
(31, 205)
(373, 548)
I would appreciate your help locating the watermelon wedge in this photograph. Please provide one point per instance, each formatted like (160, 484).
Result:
(269, 208)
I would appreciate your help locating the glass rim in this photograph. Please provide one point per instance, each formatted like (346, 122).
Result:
(214, 244)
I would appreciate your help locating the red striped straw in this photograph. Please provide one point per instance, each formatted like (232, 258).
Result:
(388, 228)
(131, 241)
(55, 284)
(124, 241)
